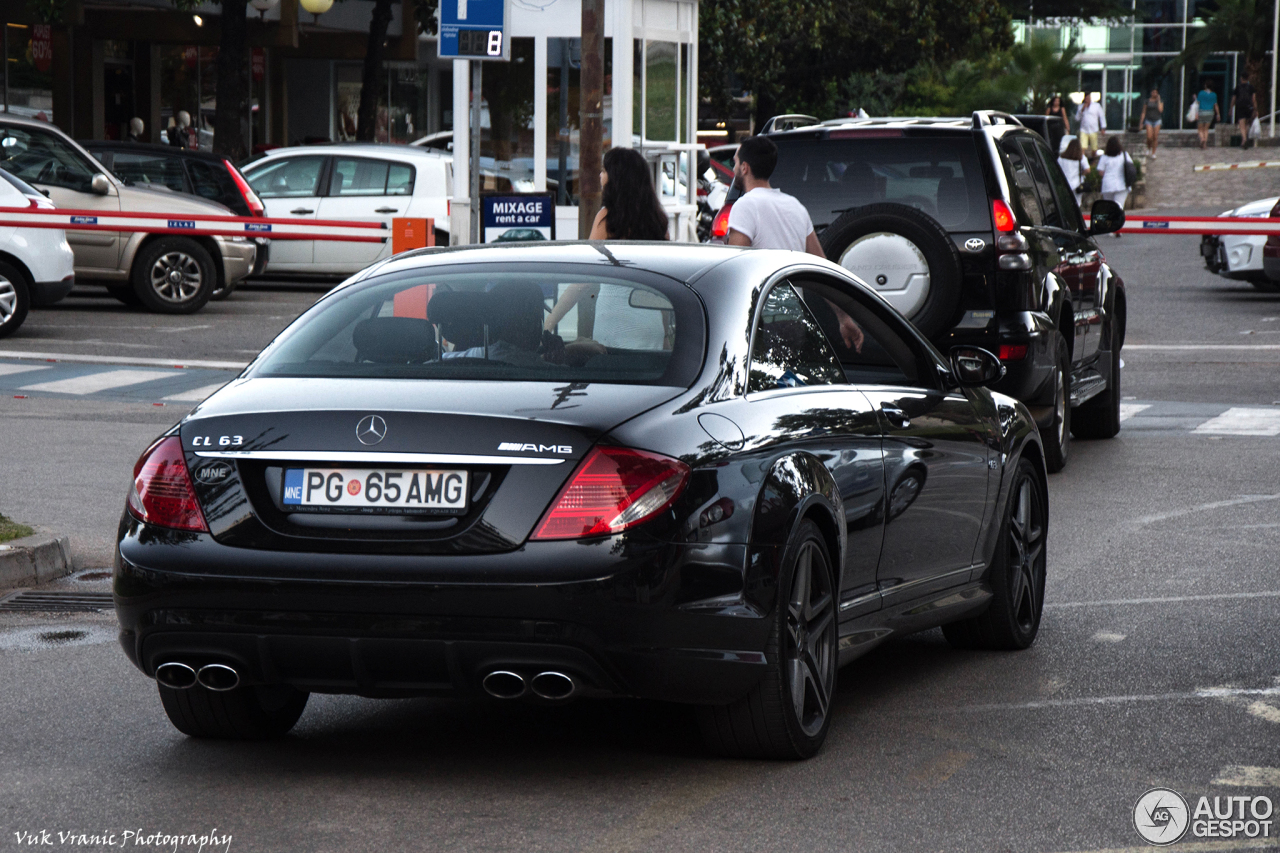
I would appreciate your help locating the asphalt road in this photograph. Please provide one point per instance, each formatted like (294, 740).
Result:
(1158, 662)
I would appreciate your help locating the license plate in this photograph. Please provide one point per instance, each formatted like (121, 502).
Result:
(377, 489)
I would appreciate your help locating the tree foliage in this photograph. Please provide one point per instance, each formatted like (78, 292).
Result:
(1236, 25)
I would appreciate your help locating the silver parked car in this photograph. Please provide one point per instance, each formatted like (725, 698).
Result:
(171, 274)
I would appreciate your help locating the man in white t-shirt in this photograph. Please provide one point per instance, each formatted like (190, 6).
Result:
(764, 217)
(768, 218)
(1093, 122)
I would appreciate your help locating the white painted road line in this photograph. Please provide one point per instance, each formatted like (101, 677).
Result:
(1248, 777)
(10, 369)
(1128, 410)
(195, 395)
(1201, 508)
(1175, 347)
(1243, 421)
(112, 359)
(1172, 599)
(95, 382)
(1205, 693)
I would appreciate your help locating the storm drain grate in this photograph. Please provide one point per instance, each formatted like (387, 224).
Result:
(26, 601)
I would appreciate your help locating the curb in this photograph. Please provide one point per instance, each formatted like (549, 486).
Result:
(34, 560)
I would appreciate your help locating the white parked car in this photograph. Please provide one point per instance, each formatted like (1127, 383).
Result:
(1239, 256)
(353, 182)
(36, 264)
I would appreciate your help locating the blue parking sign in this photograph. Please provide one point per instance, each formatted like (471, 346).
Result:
(474, 29)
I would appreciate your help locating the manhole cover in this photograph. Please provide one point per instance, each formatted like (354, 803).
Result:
(26, 601)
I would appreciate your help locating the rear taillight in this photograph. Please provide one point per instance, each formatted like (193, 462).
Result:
(720, 225)
(614, 488)
(256, 208)
(1003, 216)
(1275, 211)
(1013, 352)
(162, 493)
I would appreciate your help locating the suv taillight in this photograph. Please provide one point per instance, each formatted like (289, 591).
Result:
(162, 493)
(720, 225)
(1003, 216)
(613, 489)
(256, 207)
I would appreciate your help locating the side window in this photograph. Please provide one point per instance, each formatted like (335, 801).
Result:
(141, 170)
(882, 353)
(1023, 184)
(212, 181)
(291, 177)
(1071, 219)
(353, 176)
(1052, 215)
(400, 179)
(789, 349)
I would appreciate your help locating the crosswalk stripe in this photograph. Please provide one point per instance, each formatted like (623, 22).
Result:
(195, 395)
(94, 382)
(1128, 410)
(1242, 421)
(10, 369)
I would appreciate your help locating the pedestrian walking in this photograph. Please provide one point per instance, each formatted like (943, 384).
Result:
(1245, 101)
(1093, 123)
(768, 218)
(1111, 165)
(1152, 118)
(1074, 166)
(1206, 112)
(629, 206)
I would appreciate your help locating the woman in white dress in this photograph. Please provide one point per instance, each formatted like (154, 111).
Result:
(1074, 167)
(1111, 167)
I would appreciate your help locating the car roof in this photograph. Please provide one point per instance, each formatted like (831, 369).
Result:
(169, 150)
(681, 261)
(980, 120)
(384, 149)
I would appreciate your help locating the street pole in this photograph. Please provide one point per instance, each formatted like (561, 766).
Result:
(1275, 41)
(475, 150)
(591, 113)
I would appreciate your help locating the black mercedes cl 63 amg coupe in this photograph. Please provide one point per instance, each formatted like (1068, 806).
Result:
(548, 471)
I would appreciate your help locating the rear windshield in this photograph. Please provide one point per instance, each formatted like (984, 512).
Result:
(562, 324)
(937, 175)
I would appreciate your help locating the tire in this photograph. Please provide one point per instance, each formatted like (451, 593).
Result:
(127, 295)
(15, 299)
(801, 660)
(1017, 573)
(174, 275)
(221, 291)
(1100, 416)
(245, 713)
(1056, 435)
(867, 238)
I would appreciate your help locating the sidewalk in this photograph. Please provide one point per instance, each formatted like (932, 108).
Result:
(1172, 183)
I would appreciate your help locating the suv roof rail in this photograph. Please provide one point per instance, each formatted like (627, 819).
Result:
(986, 118)
(788, 121)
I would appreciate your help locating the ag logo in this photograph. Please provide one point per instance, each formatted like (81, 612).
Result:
(371, 429)
(1161, 816)
(214, 472)
(974, 244)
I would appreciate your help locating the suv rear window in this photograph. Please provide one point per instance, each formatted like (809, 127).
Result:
(937, 175)
(554, 323)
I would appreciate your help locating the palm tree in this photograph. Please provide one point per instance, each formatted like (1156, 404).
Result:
(1040, 70)
(1241, 26)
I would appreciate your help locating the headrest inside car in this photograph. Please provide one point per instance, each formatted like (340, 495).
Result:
(394, 340)
(461, 316)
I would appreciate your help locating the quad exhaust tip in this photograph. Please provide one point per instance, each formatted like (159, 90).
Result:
(503, 684)
(214, 676)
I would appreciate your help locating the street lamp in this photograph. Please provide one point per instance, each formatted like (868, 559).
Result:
(317, 7)
(263, 6)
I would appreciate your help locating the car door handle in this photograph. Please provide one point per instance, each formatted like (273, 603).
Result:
(387, 210)
(300, 211)
(896, 416)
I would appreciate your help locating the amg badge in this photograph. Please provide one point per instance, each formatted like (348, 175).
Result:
(517, 447)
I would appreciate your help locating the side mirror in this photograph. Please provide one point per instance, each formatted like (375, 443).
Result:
(100, 184)
(973, 367)
(1105, 217)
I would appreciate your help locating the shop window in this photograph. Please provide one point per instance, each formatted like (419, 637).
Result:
(29, 71)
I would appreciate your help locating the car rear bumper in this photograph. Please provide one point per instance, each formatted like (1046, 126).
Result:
(237, 259)
(49, 292)
(1030, 378)
(377, 625)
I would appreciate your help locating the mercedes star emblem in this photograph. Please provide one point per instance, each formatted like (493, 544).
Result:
(371, 429)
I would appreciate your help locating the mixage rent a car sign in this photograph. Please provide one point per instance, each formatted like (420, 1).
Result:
(518, 218)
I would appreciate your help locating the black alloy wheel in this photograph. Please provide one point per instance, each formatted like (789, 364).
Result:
(788, 713)
(1099, 417)
(246, 713)
(1017, 574)
(1056, 435)
(15, 299)
(174, 275)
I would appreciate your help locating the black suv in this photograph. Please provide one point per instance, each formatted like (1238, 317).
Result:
(968, 227)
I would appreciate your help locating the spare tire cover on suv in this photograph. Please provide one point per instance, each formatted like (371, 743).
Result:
(906, 256)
